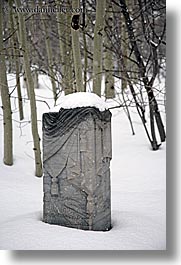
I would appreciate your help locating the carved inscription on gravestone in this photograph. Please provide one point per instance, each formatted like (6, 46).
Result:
(76, 160)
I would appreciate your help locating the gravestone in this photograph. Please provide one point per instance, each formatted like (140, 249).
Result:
(76, 161)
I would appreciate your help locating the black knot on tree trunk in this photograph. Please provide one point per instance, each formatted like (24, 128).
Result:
(75, 22)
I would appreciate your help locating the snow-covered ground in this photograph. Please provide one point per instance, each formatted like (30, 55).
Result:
(138, 178)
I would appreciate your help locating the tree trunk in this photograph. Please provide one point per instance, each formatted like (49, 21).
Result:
(124, 82)
(85, 60)
(61, 35)
(154, 106)
(65, 43)
(16, 25)
(17, 65)
(50, 60)
(34, 74)
(133, 70)
(154, 143)
(36, 139)
(108, 61)
(6, 104)
(98, 44)
(20, 102)
(76, 47)
(85, 45)
(68, 73)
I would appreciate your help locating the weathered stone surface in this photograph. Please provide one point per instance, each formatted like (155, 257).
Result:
(76, 160)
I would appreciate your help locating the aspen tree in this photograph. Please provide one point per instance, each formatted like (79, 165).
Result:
(50, 59)
(17, 64)
(85, 45)
(124, 82)
(20, 101)
(98, 46)
(65, 43)
(16, 25)
(34, 126)
(6, 104)
(76, 47)
(108, 60)
(130, 64)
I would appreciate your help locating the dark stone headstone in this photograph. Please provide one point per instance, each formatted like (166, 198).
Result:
(76, 161)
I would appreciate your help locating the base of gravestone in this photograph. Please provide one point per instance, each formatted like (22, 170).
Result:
(76, 162)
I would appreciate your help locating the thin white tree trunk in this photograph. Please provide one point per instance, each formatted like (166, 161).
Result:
(6, 104)
(85, 45)
(17, 64)
(65, 43)
(34, 126)
(125, 47)
(76, 53)
(50, 60)
(98, 46)
(85, 61)
(34, 73)
(108, 60)
(20, 102)
(69, 79)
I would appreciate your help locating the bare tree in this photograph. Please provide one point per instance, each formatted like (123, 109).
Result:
(98, 46)
(108, 58)
(65, 44)
(50, 59)
(76, 47)
(6, 105)
(16, 57)
(147, 71)
(85, 44)
(34, 127)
